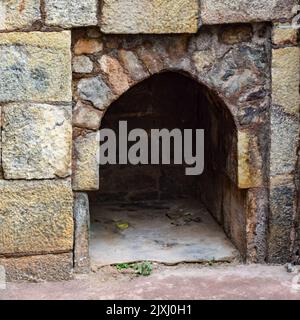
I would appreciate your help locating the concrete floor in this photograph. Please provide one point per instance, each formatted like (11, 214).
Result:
(170, 232)
(186, 281)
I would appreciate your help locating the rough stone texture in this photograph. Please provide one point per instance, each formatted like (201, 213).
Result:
(39, 268)
(286, 78)
(69, 13)
(234, 201)
(256, 227)
(36, 141)
(18, 14)
(117, 78)
(285, 35)
(35, 66)
(284, 151)
(143, 16)
(82, 233)
(132, 65)
(86, 162)
(284, 142)
(96, 91)
(281, 221)
(203, 59)
(82, 64)
(36, 217)
(233, 34)
(249, 161)
(87, 46)
(85, 116)
(233, 11)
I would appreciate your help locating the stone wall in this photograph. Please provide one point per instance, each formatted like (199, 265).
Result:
(36, 200)
(138, 16)
(43, 110)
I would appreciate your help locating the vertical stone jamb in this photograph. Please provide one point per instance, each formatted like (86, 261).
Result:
(82, 230)
(284, 143)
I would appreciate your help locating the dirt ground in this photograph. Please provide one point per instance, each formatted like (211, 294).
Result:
(185, 281)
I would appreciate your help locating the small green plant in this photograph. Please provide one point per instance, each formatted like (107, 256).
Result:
(144, 268)
(122, 266)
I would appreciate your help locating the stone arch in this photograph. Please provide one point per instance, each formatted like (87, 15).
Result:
(236, 74)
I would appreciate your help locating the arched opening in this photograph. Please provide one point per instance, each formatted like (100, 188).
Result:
(157, 212)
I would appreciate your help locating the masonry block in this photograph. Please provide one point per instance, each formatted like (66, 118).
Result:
(86, 162)
(69, 13)
(35, 66)
(281, 221)
(36, 141)
(233, 11)
(18, 14)
(82, 233)
(36, 217)
(250, 173)
(286, 78)
(143, 16)
(49, 267)
(284, 142)
(285, 34)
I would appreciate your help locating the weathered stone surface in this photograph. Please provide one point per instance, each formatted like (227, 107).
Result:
(82, 231)
(151, 58)
(282, 207)
(203, 59)
(96, 91)
(285, 35)
(249, 161)
(283, 151)
(36, 217)
(51, 267)
(284, 142)
(241, 72)
(35, 66)
(85, 116)
(82, 64)
(132, 65)
(18, 14)
(143, 16)
(256, 227)
(233, 11)
(233, 208)
(87, 46)
(69, 13)
(86, 162)
(286, 78)
(116, 75)
(236, 34)
(36, 141)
